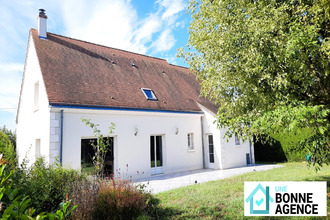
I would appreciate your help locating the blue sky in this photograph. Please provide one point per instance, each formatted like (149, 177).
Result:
(155, 28)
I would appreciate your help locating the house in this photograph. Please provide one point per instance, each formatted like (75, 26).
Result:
(267, 198)
(162, 125)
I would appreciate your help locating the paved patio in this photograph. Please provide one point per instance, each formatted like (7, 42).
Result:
(165, 182)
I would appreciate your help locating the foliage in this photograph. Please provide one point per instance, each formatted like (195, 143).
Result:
(11, 135)
(13, 206)
(101, 146)
(268, 151)
(46, 184)
(119, 199)
(20, 209)
(4, 140)
(64, 212)
(83, 193)
(111, 199)
(266, 64)
(223, 199)
(293, 127)
(7, 149)
(4, 185)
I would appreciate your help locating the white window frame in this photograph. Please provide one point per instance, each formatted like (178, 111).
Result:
(190, 137)
(153, 98)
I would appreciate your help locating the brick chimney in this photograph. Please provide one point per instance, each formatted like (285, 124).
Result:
(42, 24)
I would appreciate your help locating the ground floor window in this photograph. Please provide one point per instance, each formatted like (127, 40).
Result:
(37, 149)
(237, 140)
(190, 141)
(87, 154)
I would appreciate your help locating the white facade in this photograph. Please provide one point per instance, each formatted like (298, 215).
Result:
(33, 118)
(130, 149)
(39, 133)
(226, 153)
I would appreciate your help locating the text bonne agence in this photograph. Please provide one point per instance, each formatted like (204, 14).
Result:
(295, 203)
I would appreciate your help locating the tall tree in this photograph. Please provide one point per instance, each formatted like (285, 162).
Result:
(266, 63)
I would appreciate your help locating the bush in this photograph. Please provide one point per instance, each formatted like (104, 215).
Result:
(10, 134)
(268, 151)
(119, 199)
(295, 153)
(13, 206)
(111, 199)
(8, 151)
(84, 193)
(46, 185)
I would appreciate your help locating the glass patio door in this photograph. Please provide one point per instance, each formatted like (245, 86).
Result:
(156, 154)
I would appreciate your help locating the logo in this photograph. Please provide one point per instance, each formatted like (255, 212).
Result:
(285, 198)
(260, 201)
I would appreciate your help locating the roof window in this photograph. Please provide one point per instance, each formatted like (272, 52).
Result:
(149, 94)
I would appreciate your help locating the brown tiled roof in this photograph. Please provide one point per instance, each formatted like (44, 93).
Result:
(81, 73)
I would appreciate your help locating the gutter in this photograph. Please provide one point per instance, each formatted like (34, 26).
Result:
(61, 137)
(100, 107)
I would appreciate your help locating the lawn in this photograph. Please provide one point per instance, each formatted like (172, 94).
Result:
(224, 198)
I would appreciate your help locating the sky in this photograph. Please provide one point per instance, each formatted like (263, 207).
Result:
(155, 28)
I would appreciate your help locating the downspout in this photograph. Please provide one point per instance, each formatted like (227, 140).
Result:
(202, 130)
(221, 144)
(251, 156)
(61, 140)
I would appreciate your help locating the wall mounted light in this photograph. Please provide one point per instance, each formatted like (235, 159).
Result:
(136, 131)
(176, 130)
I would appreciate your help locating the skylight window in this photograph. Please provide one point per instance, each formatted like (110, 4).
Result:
(149, 94)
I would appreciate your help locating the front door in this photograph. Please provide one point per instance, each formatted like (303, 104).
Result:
(156, 154)
(211, 150)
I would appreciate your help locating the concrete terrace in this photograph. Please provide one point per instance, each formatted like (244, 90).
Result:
(165, 182)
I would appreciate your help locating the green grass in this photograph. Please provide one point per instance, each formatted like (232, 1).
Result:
(224, 198)
(88, 169)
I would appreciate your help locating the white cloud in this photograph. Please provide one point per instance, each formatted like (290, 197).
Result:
(10, 83)
(116, 24)
(106, 23)
(180, 24)
(171, 60)
(11, 67)
(165, 41)
(144, 35)
(172, 8)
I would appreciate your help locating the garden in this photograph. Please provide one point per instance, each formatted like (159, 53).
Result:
(44, 191)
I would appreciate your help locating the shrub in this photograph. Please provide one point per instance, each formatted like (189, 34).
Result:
(8, 151)
(111, 199)
(47, 185)
(10, 134)
(295, 153)
(119, 199)
(84, 193)
(14, 206)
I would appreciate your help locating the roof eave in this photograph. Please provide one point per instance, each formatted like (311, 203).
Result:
(101, 107)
